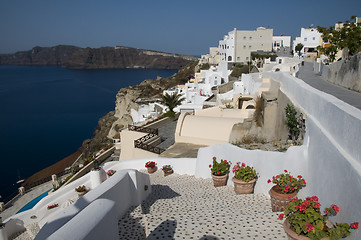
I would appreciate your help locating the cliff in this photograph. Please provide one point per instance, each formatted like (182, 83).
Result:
(95, 58)
(120, 118)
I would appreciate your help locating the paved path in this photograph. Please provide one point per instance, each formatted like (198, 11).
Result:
(25, 199)
(308, 76)
(183, 207)
(166, 132)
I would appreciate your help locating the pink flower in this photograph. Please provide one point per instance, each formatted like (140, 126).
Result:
(210, 165)
(299, 176)
(285, 171)
(314, 199)
(302, 207)
(286, 190)
(309, 227)
(334, 206)
(218, 172)
(214, 158)
(269, 180)
(354, 225)
(280, 217)
(306, 203)
(243, 165)
(326, 212)
(304, 182)
(277, 176)
(317, 205)
(225, 161)
(295, 199)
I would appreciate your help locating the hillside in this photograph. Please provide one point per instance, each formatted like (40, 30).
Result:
(95, 58)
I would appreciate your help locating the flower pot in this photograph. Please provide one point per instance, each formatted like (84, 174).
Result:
(152, 170)
(219, 181)
(280, 201)
(168, 173)
(241, 187)
(80, 194)
(292, 235)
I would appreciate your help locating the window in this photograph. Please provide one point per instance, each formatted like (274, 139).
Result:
(244, 38)
(244, 46)
(250, 38)
(305, 39)
(215, 82)
(249, 46)
(238, 58)
(229, 58)
(313, 38)
(247, 58)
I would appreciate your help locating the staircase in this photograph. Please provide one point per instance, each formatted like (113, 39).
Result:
(183, 207)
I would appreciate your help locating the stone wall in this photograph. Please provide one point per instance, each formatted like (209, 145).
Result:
(346, 73)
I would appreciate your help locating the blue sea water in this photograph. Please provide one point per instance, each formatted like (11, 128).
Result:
(47, 112)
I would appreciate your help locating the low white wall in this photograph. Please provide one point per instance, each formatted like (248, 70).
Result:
(130, 182)
(97, 221)
(180, 165)
(266, 163)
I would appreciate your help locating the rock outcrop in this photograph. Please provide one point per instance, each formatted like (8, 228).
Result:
(95, 58)
(120, 118)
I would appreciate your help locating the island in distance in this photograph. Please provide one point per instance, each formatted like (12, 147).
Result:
(95, 58)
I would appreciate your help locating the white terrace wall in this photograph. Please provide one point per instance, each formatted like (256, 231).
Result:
(333, 154)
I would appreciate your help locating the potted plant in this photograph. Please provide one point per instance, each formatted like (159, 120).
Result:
(81, 190)
(53, 206)
(244, 178)
(305, 221)
(151, 167)
(111, 172)
(286, 188)
(220, 172)
(167, 169)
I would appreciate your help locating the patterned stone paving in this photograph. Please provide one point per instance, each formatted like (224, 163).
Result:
(183, 207)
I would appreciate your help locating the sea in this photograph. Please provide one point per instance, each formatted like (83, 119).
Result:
(47, 112)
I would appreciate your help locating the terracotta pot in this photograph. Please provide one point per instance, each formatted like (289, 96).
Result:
(292, 235)
(280, 201)
(219, 181)
(168, 173)
(152, 170)
(241, 187)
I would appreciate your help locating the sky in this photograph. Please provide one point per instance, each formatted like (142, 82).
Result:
(185, 27)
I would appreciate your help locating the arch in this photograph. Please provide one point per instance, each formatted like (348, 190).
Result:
(250, 107)
(229, 58)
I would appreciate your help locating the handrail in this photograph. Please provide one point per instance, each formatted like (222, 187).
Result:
(143, 129)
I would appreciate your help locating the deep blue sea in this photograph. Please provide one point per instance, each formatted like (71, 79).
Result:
(47, 112)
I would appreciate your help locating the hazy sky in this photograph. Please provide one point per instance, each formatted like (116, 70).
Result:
(188, 27)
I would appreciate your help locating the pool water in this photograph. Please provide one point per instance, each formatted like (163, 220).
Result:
(33, 202)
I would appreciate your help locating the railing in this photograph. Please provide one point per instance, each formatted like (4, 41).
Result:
(28, 186)
(140, 143)
(143, 129)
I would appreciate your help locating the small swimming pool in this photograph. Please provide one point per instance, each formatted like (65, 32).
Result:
(33, 202)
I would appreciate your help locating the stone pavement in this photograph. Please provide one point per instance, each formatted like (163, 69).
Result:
(181, 150)
(307, 74)
(25, 199)
(183, 207)
(166, 132)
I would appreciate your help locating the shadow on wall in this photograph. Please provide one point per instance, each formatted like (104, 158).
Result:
(158, 192)
(165, 230)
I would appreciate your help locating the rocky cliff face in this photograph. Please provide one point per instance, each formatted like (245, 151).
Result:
(95, 58)
(120, 118)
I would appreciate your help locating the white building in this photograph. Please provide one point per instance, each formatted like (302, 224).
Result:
(281, 44)
(310, 38)
(237, 46)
